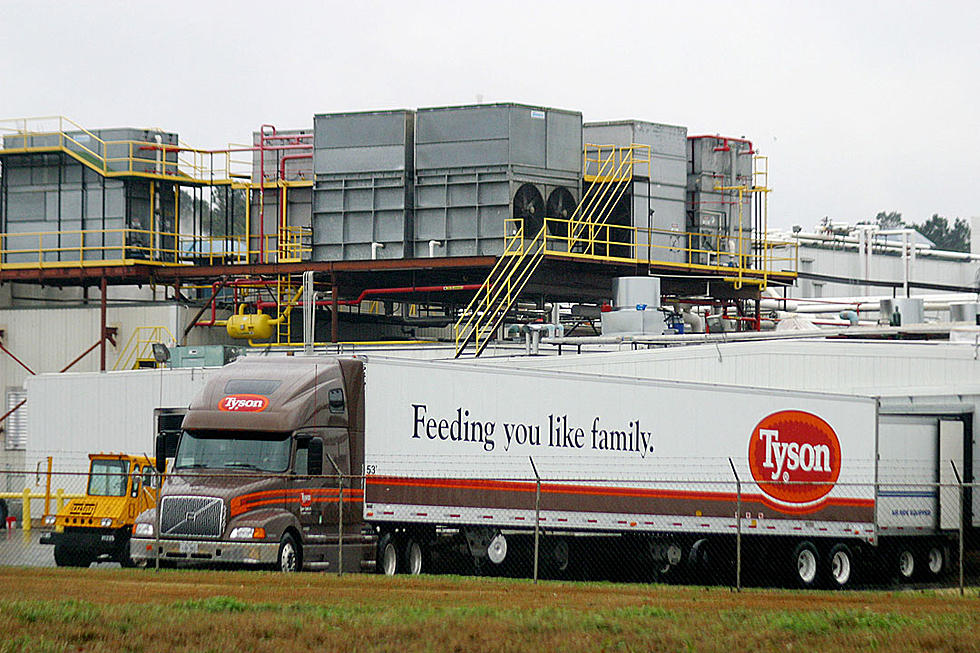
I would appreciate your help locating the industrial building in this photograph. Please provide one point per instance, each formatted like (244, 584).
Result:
(459, 227)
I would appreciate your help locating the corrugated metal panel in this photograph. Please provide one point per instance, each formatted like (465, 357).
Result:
(77, 414)
(15, 426)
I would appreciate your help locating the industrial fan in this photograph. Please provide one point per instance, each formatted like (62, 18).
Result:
(529, 206)
(561, 206)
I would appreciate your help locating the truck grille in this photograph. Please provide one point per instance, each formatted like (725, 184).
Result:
(194, 516)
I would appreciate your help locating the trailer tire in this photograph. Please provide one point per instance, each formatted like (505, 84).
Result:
(840, 566)
(416, 557)
(388, 562)
(3, 514)
(559, 556)
(934, 561)
(290, 558)
(905, 563)
(805, 565)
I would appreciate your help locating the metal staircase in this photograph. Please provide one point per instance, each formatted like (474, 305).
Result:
(609, 170)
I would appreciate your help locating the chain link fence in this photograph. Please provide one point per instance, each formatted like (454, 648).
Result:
(729, 532)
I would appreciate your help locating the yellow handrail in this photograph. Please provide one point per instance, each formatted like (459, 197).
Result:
(139, 342)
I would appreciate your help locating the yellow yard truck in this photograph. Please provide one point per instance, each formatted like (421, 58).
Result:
(96, 527)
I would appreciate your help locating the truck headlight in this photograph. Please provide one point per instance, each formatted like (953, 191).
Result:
(143, 530)
(247, 533)
(107, 521)
(49, 520)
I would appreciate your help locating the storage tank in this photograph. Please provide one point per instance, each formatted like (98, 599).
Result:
(478, 165)
(901, 311)
(364, 188)
(635, 308)
(964, 312)
(654, 202)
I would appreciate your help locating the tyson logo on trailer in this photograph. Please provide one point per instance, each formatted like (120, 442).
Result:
(244, 403)
(795, 457)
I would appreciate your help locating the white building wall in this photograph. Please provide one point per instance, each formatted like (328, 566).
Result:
(844, 260)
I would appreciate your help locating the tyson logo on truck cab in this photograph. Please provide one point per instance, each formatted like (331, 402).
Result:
(795, 457)
(244, 403)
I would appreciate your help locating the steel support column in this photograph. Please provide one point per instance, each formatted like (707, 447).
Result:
(102, 327)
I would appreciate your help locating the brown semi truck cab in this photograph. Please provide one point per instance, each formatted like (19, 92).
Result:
(262, 473)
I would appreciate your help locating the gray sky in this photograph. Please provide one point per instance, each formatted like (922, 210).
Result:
(861, 106)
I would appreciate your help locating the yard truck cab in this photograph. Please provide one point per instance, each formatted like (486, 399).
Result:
(261, 473)
(97, 527)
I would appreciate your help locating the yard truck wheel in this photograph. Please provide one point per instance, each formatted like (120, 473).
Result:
(388, 555)
(290, 555)
(415, 557)
(805, 565)
(840, 566)
(67, 557)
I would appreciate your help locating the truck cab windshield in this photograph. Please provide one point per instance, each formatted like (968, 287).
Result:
(259, 451)
(108, 478)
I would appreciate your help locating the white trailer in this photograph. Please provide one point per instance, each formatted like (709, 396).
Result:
(827, 479)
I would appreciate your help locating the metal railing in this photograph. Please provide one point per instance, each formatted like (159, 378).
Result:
(113, 158)
(612, 168)
(140, 344)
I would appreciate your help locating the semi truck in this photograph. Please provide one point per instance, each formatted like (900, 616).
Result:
(372, 464)
(97, 527)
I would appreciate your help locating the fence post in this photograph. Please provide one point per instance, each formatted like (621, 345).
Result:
(340, 526)
(537, 514)
(156, 529)
(738, 528)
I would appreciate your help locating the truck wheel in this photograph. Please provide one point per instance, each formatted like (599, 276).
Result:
(805, 564)
(934, 561)
(65, 557)
(840, 565)
(415, 557)
(3, 514)
(560, 557)
(905, 563)
(387, 555)
(290, 555)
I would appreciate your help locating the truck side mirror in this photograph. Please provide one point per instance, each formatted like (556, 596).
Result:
(335, 399)
(161, 452)
(315, 460)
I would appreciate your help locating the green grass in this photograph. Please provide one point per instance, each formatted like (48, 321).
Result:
(132, 610)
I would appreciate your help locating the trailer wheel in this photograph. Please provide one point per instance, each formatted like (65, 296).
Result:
(905, 563)
(805, 564)
(387, 555)
(415, 557)
(290, 555)
(66, 557)
(560, 556)
(935, 561)
(840, 565)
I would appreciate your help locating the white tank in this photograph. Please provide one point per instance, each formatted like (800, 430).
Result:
(630, 292)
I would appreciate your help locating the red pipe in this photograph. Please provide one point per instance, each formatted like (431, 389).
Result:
(290, 157)
(282, 190)
(725, 139)
(262, 189)
(383, 291)
(236, 284)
